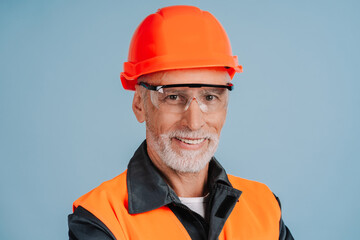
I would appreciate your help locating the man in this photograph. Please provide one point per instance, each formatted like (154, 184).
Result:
(180, 66)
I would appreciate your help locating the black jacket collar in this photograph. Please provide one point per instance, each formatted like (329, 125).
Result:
(148, 191)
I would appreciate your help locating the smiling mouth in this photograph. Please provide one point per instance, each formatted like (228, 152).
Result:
(191, 141)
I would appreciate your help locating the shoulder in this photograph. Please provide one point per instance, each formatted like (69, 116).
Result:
(84, 225)
(95, 212)
(253, 191)
(257, 209)
(109, 191)
(246, 184)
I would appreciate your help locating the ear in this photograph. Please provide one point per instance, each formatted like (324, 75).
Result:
(138, 106)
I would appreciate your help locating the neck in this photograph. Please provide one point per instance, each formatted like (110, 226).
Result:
(184, 184)
(188, 184)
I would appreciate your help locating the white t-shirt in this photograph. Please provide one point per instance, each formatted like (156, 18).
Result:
(196, 204)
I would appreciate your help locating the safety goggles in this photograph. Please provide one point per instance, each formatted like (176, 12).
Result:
(176, 98)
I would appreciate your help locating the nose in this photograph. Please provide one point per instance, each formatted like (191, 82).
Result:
(193, 117)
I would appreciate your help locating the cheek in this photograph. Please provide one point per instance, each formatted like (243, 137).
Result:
(162, 122)
(216, 121)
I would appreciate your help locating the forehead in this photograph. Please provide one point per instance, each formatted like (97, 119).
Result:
(217, 76)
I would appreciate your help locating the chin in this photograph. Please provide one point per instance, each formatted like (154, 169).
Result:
(185, 161)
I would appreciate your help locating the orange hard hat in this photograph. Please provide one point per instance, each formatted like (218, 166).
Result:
(178, 37)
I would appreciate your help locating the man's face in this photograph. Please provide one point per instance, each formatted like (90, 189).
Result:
(184, 142)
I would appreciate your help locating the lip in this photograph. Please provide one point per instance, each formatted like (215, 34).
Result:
(190, 143)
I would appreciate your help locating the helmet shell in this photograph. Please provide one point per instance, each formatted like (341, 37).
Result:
(177, 37)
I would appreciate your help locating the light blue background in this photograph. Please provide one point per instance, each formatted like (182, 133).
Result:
(66, 124)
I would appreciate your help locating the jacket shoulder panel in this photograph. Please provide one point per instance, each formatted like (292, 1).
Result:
(109, 203)
(103, 203)
(256, 215)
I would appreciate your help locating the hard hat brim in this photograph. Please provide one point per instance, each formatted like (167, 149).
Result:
(133, 71)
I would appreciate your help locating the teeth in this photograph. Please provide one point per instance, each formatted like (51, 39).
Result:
(189, 141)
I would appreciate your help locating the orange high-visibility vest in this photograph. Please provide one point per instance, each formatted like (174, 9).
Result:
(255, 216)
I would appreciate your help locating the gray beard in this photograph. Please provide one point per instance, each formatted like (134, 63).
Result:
(184, 161)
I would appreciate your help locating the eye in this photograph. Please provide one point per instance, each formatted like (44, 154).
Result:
(175, 99)
(210, 97)
(172, 97)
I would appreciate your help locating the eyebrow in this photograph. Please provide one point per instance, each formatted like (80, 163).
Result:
(214, 90)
